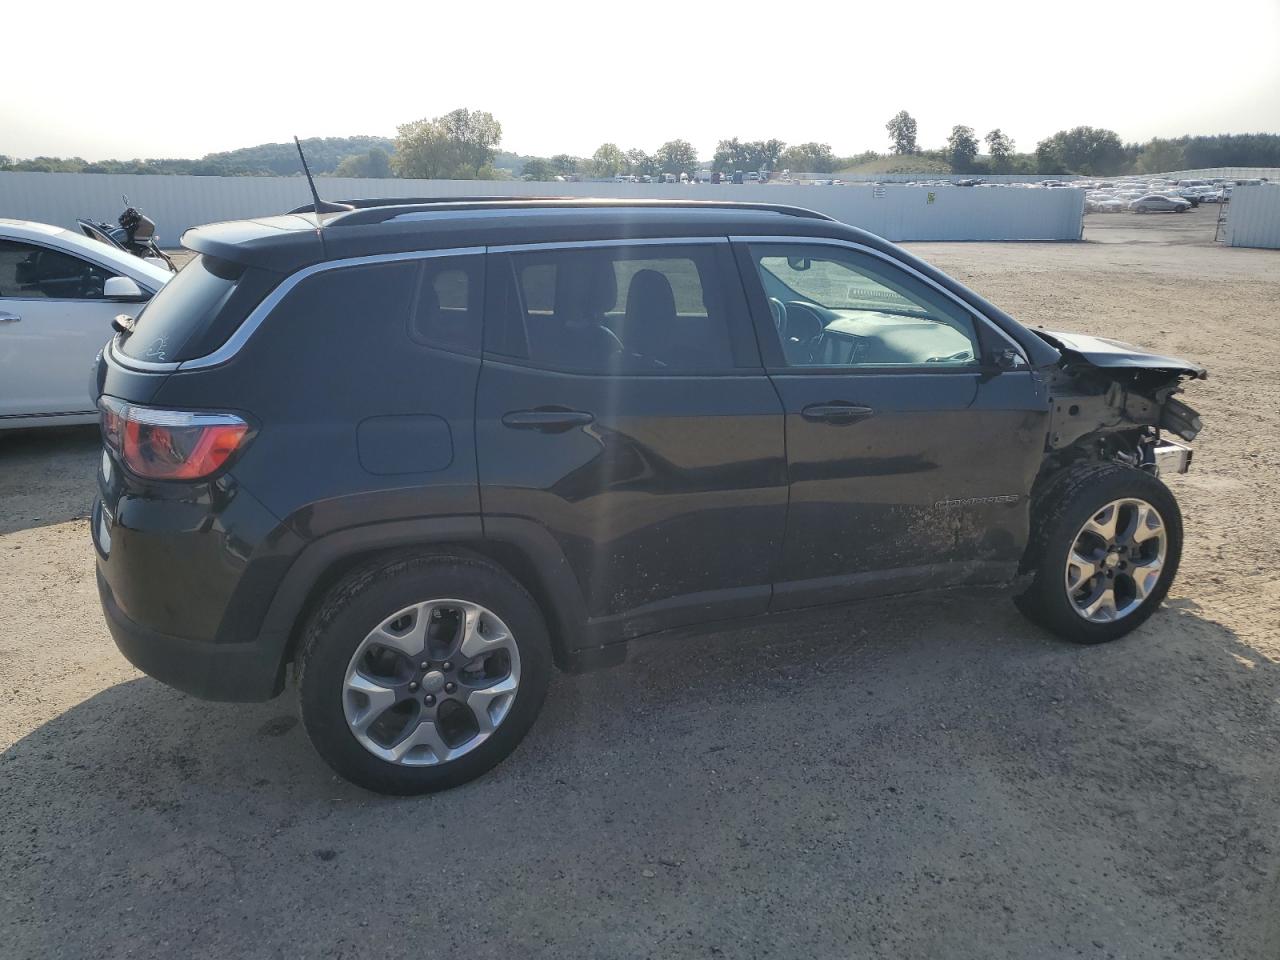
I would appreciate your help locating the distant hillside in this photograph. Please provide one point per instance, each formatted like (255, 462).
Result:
(281, 159)
(911, 163)
(264, 160)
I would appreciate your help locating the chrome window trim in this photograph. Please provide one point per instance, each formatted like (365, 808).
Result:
(249, 327)
(246, 330)
(863, 248)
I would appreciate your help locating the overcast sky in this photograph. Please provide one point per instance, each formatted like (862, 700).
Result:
(566, 77)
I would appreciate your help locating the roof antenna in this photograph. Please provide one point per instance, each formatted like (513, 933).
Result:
(321, 206)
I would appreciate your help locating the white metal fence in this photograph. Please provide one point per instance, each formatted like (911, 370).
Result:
(1253, 217)
(1230, 173)
(917, 177)
(176, 203)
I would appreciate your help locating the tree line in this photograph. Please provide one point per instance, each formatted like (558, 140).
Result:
(1092, 151)
(464, 145)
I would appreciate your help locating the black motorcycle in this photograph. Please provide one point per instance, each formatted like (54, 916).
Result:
(135, 233)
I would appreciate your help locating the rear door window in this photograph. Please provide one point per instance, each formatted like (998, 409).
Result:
(607, 310)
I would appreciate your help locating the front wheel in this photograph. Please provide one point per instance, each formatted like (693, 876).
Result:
(1105, 547)
(423, 673)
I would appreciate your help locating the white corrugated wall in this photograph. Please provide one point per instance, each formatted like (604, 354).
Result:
(1253, 216)
(895, 212)
(1231, 173)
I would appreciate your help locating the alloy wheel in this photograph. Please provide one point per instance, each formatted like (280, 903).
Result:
(431, 682)
(1115, 560)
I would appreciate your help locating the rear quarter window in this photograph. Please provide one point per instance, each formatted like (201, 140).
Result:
(447, 309)
(196, 311)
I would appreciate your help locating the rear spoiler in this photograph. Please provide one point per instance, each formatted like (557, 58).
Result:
(278, 243)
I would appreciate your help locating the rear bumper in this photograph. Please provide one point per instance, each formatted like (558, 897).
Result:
(212, 671)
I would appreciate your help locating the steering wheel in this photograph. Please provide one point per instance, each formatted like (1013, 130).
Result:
(779, 311)
(91, 285)
(803, 333)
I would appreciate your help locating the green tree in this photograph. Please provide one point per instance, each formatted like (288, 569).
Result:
(423, 150)
(536, 168)
(608, 160)
(375, 163)
(728, 155)
(902, 133)
(808, 158)
(767, 152)
(677, 156)
(352, 166)
(1232, 150)
(565, 164)
(1000, 147)
(738, 154)
(1160, 156)
(379, 163)
(459, 145)
(962, 148)
(1092, 151)
(640, 163)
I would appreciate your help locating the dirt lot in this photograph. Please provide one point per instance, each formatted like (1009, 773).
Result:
(917, 778)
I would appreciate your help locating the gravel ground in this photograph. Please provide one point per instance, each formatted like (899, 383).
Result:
(915, 778)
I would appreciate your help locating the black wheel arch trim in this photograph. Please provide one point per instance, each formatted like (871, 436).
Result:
(525, 550)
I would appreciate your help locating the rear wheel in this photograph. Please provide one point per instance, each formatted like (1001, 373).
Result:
(1105, 549)
(422, 674)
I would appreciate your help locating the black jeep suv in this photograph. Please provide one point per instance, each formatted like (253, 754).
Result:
(423, 451)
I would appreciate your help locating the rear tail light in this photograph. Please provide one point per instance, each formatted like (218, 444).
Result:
(170, 444)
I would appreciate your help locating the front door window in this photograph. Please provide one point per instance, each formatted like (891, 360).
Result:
(833, 307)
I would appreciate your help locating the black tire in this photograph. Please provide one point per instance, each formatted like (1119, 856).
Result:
(1059, 511)
(360, 602)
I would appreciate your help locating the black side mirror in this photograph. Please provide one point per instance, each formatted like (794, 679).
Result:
(1009, 359)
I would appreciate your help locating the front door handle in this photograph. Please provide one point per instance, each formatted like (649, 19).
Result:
(9, 317)
(547, 419)
(837, 411)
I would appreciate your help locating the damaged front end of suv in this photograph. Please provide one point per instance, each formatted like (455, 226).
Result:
(1106, 533)
(1112, 401)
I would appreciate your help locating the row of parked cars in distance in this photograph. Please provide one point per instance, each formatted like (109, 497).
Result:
(1157, 195)
(709, 176)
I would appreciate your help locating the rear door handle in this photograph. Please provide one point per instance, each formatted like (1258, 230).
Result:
(9, 317)
(837, 411)
(547, 419)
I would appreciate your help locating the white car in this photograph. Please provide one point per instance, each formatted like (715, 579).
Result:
(59, 292)
(1158, 203)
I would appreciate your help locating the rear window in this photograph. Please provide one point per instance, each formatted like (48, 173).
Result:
(196, 311)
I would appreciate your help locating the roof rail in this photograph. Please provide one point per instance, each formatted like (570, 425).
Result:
(370, 202)
(380, 210)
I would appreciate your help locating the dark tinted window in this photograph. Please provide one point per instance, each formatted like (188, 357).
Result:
(643, 309)
(447, 308)
(32, 272)
(185, 306)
